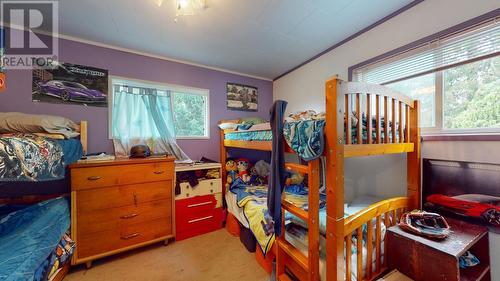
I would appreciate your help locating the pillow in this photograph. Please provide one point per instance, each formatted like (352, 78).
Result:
(252, 120)
(16, 122)
(228, 126)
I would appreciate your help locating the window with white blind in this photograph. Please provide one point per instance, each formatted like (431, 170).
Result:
(456, 78)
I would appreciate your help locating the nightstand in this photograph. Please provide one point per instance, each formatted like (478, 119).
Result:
(423, 259)
(198, 209)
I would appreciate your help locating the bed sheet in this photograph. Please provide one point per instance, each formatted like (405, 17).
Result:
(355, 206)
(29, 236)
(298, 237)
(250, 135)
(232, 207)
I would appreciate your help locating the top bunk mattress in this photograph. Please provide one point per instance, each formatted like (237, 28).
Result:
(262, 132)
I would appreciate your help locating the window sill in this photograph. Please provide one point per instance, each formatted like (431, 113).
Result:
(193, 138)
(462, 137)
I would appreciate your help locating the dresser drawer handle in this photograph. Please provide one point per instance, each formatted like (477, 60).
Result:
(199, 204)
(200, 219)
(130, 236)
(159, 172)
(129, 216)
(94, 178)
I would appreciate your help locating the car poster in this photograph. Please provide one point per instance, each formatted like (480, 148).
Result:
(68, 83)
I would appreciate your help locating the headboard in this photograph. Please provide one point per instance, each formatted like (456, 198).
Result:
(458, 177)
(83, 136)
(481, 181)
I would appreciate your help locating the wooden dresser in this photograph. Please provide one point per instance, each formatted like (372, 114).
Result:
(120, 205)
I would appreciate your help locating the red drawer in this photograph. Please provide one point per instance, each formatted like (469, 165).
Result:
(195, 204)
(195, 216)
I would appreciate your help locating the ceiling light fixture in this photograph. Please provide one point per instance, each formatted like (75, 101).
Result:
(189, 7)
(186, 7)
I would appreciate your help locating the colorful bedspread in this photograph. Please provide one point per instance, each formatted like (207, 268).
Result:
(253, 201)
(29, 236)
(306, 138)
(27, 157)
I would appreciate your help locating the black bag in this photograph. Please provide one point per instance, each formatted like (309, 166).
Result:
(247, 239)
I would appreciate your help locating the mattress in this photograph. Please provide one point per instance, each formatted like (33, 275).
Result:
(232, 207)
(29, 236)
(355, 206)
(262, 132)
(250, 135)
(298, 237)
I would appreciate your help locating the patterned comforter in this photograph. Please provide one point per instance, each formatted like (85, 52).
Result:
(26, 157)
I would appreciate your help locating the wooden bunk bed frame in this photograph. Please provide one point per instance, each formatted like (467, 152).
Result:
(33, 199)
(402, 136)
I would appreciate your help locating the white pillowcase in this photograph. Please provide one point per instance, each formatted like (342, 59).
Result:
(16, 122)
(228, 126)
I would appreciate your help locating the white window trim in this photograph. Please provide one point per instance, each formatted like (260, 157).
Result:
(438, 128)
(171, 87)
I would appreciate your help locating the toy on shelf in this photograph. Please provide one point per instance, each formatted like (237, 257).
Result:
(295, 179)
(232, 172)
(243, 164)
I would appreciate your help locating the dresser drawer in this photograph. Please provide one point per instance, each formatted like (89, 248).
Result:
(107, 219)
(124, 195)
(195, 204)
(194, 219)
(122, 237)
(93, 177)
(194, 224)
(204, 187)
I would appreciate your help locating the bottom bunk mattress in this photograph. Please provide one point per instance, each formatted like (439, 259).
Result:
(34, 242)
(298, 237)
(358, 204)
(234, 209)
(297, 234)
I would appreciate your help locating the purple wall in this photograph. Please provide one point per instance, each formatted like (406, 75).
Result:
(17, 96)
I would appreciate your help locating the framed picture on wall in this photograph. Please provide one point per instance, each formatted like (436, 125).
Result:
(242, 97)
(71, 84)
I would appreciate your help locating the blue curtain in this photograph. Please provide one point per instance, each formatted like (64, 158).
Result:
(144, 116)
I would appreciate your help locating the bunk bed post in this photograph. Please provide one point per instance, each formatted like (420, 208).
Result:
(83, 136)
(313, 255)
(334, 149)
(413, 159)
(223, 159)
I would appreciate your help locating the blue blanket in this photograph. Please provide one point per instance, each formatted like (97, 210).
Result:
(306, 138)
(28, 237)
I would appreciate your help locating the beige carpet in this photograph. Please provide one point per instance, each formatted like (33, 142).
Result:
(216, 256)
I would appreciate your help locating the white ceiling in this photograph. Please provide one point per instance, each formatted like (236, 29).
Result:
(258, 37)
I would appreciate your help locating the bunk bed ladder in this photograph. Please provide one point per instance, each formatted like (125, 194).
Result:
(305, 268)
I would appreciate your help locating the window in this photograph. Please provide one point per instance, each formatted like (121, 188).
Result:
(456, 79)
(190, 111)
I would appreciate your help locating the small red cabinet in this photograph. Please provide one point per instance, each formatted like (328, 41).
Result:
(198, 209)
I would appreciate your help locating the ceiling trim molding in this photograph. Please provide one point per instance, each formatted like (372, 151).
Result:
(141, 53)
(368, 28)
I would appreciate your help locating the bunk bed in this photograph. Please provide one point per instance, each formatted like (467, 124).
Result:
(390, 126)
(34, 207)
